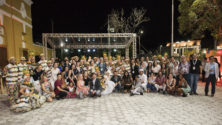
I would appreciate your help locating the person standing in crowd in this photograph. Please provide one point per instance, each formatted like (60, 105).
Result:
(95, 86)
(143, 79)
(43, 62)
(216, 61)
(195, 73)
(55, 71)
(160, 82)
(182, 88)
(211, 75)
(11, 71)
(22, 69)
(134, 68)
(102, 66)
(127, 82)
(37, 77)
(60, 92)
(149, 69)
(156, 68)
(86, 78)
(48, 70)
(204, 62)
(184, 68)
(116, 79)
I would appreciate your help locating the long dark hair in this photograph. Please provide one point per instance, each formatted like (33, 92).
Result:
(126, 77)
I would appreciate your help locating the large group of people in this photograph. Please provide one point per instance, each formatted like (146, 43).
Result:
(30, 84)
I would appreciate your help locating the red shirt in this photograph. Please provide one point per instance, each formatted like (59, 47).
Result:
(57, 83)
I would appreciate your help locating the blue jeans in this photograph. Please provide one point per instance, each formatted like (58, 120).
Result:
(151, 87)
(193, 82)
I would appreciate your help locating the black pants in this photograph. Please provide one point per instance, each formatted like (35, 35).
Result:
(61, 94)
(127, 87)
(211, 79)
(203, 78)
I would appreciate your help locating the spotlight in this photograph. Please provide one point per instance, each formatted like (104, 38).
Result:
(94, 50)
(114, 50)
(94, 39)
(66, 39)
(62, 44)
(66, 50)
(88, 39)
(79, 50)
(88, 50)
(79, 39)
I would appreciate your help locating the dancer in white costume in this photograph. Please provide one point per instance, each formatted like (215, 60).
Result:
(110, 85)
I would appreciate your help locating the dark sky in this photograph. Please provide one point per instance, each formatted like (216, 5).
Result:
(89, 16)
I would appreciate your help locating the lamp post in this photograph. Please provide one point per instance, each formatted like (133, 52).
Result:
(172, 29)
(140, 33)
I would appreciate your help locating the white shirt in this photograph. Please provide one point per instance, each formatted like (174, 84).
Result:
(54, 73)
(143, 79)
(156, 69)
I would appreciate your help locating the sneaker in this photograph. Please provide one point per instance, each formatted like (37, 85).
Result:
(184, 95)
(196, 93)
(131, 94)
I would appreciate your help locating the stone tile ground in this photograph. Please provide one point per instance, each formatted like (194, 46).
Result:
(149, 109)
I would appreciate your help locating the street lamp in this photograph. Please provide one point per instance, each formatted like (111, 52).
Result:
(140, 33)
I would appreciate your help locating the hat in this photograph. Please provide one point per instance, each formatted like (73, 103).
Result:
(23, 59)
(141, 70)
(11, 58)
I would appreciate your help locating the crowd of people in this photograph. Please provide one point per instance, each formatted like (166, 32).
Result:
(30, 84)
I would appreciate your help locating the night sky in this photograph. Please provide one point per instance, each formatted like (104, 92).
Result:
(89, 16)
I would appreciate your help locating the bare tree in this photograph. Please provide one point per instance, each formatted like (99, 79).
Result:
(127, 23)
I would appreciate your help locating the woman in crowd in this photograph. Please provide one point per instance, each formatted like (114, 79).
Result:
(127, 82)
(171, 83)
(164, 70)
(86, 78)
(37, 76)
(156, 67)
(108, 85)
(160, 82)
(28, 99)
(47, 90)
(82, 90)
(55, 72)
(66, 74)
(182, 88)
(149, 69)
(151, 83)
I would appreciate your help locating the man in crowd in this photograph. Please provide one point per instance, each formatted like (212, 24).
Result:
(95, 86)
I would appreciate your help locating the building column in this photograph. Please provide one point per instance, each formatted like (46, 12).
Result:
(127, 52)
(134, 48)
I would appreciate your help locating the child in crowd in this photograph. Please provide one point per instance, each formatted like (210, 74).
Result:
(71, 88)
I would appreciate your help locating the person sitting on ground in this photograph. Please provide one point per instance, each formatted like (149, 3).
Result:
(60, 91)
(95, 86)
(127, 81)
(28, 99)
(47, 89)
(182, 88)
(143, 79)
(116, 79)
(107, 84)
(160, 82)
(138, 87)
(71, 88)
(171, 83)
(151, 82)
(82, 90)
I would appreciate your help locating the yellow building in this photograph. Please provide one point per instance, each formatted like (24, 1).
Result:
(16, 30)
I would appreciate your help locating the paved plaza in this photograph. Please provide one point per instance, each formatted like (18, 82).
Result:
(149, 109)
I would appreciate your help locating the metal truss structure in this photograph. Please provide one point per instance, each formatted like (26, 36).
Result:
(89, 40)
